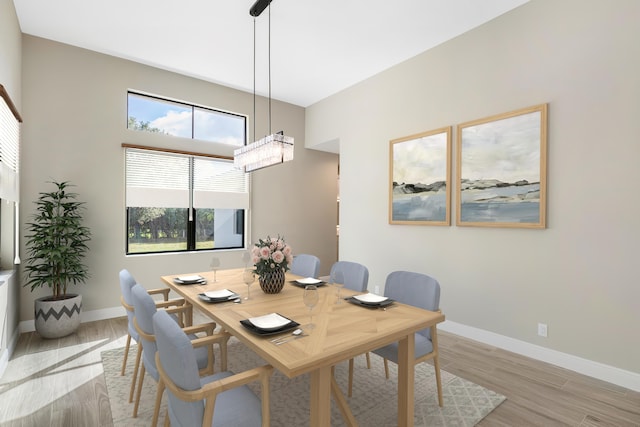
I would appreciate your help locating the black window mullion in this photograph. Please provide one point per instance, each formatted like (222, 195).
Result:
(191, 231)
(191, 225)
(193, 122)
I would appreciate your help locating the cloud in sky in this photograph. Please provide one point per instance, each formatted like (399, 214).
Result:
(421, 160)
(175, 123)
(507, 150)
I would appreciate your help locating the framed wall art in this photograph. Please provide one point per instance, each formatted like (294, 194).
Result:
(501, 170)
(419, 183)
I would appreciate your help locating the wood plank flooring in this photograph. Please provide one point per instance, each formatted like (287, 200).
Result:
(60, 383)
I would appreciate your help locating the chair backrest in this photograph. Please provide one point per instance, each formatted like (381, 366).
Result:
(178, 360)
(416, 289)
(144, 308)
(356, 276)
(126, 283)
(306, 265)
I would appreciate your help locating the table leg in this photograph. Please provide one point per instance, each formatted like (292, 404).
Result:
(406, 356)
(342, 402)
(188, 321)
(320, 415)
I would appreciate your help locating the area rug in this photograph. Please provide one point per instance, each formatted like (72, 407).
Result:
(373, 403)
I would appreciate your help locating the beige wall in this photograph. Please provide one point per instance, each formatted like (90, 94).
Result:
(75, 122)
(579, 275)
(10, 51)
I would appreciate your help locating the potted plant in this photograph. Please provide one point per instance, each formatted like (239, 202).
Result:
(271, 259)
(56, 247)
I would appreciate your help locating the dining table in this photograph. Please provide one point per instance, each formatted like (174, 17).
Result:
(341, 331)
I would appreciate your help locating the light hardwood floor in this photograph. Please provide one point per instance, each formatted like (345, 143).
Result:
(60, 383)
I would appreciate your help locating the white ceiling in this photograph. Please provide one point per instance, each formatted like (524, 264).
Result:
(317, 47)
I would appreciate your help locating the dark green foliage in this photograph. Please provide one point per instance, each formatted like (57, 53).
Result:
(57, 242)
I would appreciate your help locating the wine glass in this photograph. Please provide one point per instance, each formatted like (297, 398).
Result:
(246, 258)
(310, 298)
(248, 276)
(337, 280)
(215, 264)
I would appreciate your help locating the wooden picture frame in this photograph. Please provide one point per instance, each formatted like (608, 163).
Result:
(502, 169)
(419, 178)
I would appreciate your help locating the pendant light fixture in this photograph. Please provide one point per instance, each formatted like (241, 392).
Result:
(276, 147)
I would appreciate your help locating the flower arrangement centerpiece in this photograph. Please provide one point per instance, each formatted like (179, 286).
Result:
(271, 258)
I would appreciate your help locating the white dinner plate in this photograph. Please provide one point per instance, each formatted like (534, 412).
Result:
(269, 321)
(223, 293)
(193, 278)
(370, 298)
(309, 281)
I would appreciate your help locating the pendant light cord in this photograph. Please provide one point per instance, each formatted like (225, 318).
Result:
(270, 69)
(254, 79)
(254, 73)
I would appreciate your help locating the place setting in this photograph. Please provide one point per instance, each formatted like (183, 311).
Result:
(277, 324)
(218, 296)
(193, 279)
(370, 300)
(302, 283)
(269, 324)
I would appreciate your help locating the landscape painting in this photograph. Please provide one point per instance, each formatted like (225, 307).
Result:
(501, 170)
(419, 190)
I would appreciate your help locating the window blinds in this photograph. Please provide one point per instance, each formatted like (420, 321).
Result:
(155, 179)
(217, 184)
(9, 153)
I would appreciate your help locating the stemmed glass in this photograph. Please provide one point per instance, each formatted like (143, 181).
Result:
(310, 298)
(248, 276)
(337, 281)
(246, 258)
(215, 263)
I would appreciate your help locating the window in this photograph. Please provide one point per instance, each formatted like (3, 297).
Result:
(9, 147)
(178, 202)
(9, 182)
(153, 114)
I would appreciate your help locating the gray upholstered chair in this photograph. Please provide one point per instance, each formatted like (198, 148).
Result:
(144, 309)
(126, 283)
(354, 276)
(418, 290)
(222, 399)
(306, 265)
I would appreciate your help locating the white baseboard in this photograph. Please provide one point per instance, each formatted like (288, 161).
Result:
(611, 374)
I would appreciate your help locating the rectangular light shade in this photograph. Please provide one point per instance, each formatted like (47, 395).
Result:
(268, 151)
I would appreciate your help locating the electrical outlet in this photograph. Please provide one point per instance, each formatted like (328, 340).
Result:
(377, 290)
(542, 329)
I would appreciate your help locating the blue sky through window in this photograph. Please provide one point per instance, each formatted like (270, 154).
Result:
(176, 119)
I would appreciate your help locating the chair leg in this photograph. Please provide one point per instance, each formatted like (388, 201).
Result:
(135, 372)
(126, 354)
(223, 355)
(139, 391)
(386, 368)
(436, 364)
(156, 410)
(166, 418)
(350, 389)
(211, 360)
(368, 360)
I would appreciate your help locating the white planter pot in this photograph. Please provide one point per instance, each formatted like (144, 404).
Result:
(57, 318)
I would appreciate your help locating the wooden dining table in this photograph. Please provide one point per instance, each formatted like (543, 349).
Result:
(342, 331)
